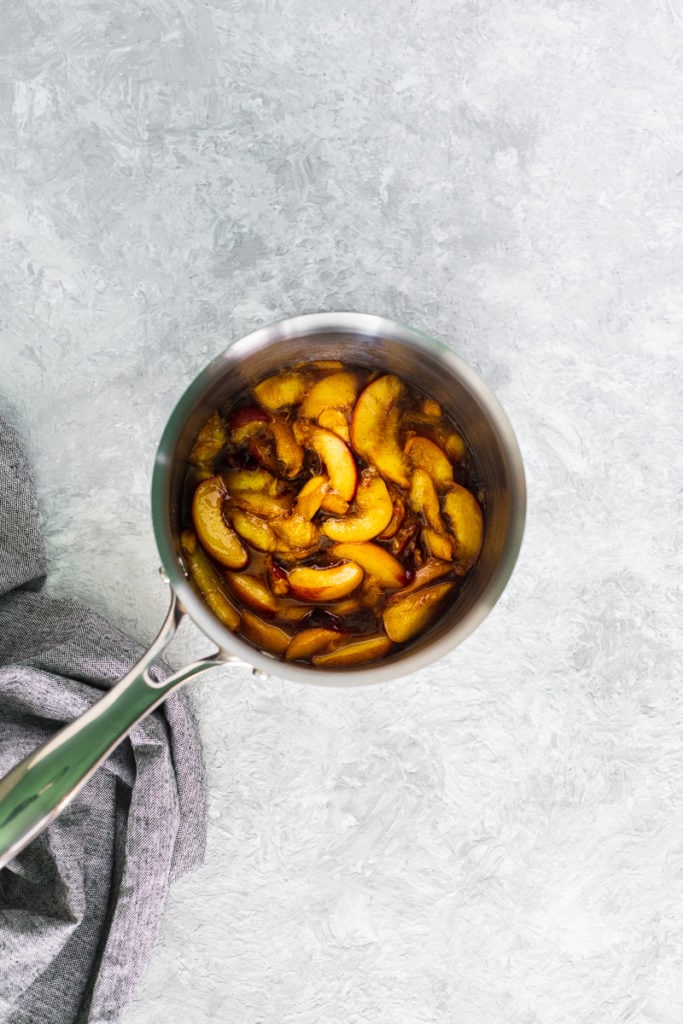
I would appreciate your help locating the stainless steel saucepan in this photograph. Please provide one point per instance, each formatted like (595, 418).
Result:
(37, 789)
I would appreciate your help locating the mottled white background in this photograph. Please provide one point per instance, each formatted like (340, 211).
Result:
(500, 838)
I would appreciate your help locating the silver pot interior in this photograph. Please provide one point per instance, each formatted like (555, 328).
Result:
(372, 342)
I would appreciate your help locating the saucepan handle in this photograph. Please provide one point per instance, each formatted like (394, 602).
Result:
(34, 792)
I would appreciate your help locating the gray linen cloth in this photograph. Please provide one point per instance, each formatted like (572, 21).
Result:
(80, 908)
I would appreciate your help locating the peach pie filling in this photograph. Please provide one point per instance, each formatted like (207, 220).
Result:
(331, 515)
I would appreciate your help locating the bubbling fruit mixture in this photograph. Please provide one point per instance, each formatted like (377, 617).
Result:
(333, 514)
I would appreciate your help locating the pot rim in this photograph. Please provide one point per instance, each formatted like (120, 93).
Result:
(405, 662)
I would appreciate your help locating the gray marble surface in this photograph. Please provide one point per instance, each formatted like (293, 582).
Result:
(497, 839)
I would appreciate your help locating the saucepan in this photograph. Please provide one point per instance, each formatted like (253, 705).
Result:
(38, 789)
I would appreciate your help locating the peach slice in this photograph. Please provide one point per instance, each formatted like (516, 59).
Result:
(335, 455)
(254, 530)
(466, 521)
(375, 426)
(279, 587)
(336, 421)
(254, 480)
(431, 408)
(295, 532)
(247, 422)
(397, 515)
(198, 473)
(277, 577)
(373, 512)
(424, 454)
(432, 570)
(215, 535)
(211, 440)
(312, 641)
(255, 592)
(371, 593)
(288, 452)
(261, 504)
(448, 440)
(424, 500)
(405, 536)
(311, 496)
(310, 583)
(354, 652)
(252, 591)
(454, 446)
(437, 545)
(374, 560)
(282, 533)
(264, 634)
(334, 504)
(261, 449)
(208, 581)
(281, 390)
(337, 391)
(292, 612)
(406, 615)
(346, 606)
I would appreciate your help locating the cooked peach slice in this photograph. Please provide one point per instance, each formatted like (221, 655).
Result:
(198, 473)
(346, 606)
(336, 421)
(261, 449)
(247, 422)
(454, 446)
(215, 535)
(295, 532)
(406, 615)
(254, 480)
(264, 634)
(397, 515)
(311, 496)
(335, 455)
(211, 440)
(334, 504)
(292, 612)
(424, 454)
(252, 591)
(437, 545)
(288, 452)
(281, 390)
(448, 440)
(431, 408)
(373, 512)
(275, 582)
(424, 500)
(375, 426)
(277, 577)
(405, 536)
(261, 504)
(312, 641)
(371, 593)
(208, 581)
(337, 391)
(373, 560)
(254, 530)
(432, 570)
(354, 652)
(338, 460)
(466, 522)
(310, 583)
